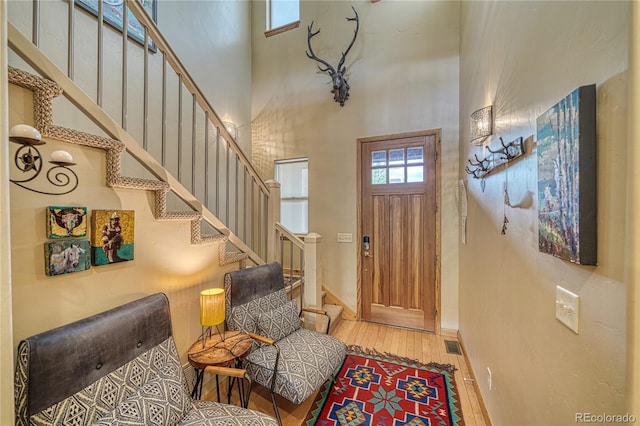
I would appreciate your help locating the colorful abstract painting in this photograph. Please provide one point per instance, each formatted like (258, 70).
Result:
(566, 147)
(66, 256)
(66, 222)
(112, 236)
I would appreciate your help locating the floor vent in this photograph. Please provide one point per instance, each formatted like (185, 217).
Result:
(452, 347)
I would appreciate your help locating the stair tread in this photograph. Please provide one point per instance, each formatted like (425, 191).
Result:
(333, 311)
(335, 314)
(213, 238)
(179, 216)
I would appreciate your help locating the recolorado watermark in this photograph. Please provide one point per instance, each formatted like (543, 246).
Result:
(605, 418)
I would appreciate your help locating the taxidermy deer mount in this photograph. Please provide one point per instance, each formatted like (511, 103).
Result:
(340, 86)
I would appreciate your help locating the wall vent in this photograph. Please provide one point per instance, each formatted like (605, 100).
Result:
(452, 347)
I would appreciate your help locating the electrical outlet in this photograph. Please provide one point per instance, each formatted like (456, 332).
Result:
(489, 379)
(567, 308)
(345, 238)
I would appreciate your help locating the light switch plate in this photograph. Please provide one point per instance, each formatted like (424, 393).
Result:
(345, 238)
(567, 308)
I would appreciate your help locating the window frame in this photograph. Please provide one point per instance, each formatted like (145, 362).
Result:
(271, 31)
(405, 164)
(305, 199)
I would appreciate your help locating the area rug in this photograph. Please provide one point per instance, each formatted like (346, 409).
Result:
(373, 388)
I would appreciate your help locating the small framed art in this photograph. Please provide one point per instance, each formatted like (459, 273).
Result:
(112, 236)
(66, 222)
(66, 256)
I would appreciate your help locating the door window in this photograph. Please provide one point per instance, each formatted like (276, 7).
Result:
(398, 165)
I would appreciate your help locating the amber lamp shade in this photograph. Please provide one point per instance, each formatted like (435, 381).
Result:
(212, 307)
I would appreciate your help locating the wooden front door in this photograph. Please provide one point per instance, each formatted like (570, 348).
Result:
(398, 253)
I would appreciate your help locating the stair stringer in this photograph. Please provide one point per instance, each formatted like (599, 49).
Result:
(44, 91)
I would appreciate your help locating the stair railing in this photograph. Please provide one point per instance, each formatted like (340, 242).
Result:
(291, 257)
(297, 255)
(229, 185)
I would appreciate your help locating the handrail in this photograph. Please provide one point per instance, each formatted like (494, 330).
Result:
(297, 241)
(243, 224)
(36, 59)
(187, 80)
(239, 195)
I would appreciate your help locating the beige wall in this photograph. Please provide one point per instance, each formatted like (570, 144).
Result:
(633, 253)
(164, 258)
(523, 57)
(212, 39)
(403, 73)
(6, 329)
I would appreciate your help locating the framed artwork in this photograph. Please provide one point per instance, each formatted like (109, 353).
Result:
(112, 12)
(567, 181)
(112, 235)
(66, 256)
(66, 222)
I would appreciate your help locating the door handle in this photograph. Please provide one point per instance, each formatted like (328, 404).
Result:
(367, 254)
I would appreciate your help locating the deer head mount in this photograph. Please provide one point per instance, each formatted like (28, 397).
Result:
(340, 86)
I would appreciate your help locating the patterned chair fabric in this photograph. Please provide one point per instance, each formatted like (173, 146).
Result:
(307, 358)
(118, 367)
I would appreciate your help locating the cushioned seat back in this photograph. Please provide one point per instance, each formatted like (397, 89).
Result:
(250, 291)
(54, 365)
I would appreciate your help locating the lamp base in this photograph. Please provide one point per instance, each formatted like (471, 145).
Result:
(208, 340)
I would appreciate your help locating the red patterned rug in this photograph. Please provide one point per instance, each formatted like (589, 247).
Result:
(383, 389)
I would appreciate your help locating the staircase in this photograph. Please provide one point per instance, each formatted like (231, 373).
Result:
(319, 322)
(334, 312)
(252, 239)
(44, 92)
(246, 242)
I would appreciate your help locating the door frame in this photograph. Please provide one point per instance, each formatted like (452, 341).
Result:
(360, 147)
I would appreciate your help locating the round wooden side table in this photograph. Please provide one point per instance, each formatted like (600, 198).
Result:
(226, 350)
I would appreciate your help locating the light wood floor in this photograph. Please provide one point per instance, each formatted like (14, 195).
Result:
(424, 347)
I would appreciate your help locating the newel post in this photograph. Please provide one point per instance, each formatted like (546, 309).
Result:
(273, 217)
(312, 286)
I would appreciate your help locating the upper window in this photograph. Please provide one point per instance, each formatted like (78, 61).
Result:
(282, 15)
(293, 176)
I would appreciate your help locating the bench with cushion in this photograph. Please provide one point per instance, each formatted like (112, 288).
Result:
(117, 367)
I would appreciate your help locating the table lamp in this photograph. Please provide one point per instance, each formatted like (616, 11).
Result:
(211, 312)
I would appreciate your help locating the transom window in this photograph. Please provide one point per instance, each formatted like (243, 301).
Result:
(397, 165)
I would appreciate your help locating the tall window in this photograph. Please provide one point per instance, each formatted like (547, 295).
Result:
(294, 195)
(282, 12)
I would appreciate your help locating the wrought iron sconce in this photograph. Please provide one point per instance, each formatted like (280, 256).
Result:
(28, 159)
(481, 125)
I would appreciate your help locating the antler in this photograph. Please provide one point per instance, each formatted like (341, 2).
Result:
(312, 55)
(479, 163)
(355, 34)
(340, 88)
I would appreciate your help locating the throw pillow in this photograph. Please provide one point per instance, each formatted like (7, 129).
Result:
(279, 322)
(161, 401)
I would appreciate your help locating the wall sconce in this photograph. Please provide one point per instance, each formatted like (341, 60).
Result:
(231, 128)
(481, 125)
(211, 312)
(28, 159)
